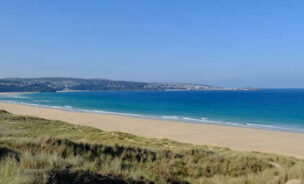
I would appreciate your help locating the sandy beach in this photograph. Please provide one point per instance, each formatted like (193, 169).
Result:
(237, 138)
(15, 93)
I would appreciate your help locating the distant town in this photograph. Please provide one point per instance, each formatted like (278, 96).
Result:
(75, 84)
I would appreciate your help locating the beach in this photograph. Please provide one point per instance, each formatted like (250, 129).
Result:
(237, 138)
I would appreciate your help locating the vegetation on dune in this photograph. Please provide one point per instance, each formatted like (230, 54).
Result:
(34, 150)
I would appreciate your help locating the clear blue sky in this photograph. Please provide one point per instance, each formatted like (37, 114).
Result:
(231, 43)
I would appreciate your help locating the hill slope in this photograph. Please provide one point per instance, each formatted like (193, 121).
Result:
(34, 150)
(58, 84)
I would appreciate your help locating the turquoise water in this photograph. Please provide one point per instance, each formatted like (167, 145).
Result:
(266, 109)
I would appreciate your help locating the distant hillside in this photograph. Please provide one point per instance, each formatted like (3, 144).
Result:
(59, 84)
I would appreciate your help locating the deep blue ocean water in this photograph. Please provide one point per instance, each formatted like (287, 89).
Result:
(275, 109)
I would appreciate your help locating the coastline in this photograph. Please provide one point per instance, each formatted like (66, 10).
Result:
(237, 138)
(162, 118)
(16, 93)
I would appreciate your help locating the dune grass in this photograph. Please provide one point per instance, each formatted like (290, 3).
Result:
(40, 151)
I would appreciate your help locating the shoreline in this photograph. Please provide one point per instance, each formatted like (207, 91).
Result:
(173, 118)
(162, 118)
(16, 93)
(237, 138)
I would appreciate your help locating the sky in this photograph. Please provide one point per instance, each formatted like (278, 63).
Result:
(228, 43)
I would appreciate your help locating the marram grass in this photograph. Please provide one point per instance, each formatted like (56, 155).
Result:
(40, 151)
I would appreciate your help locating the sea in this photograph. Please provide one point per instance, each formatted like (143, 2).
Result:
(272, 109)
